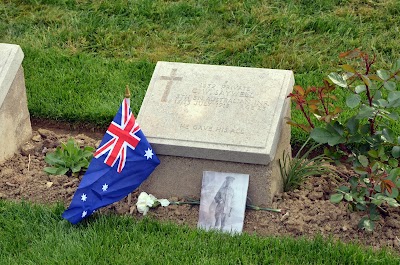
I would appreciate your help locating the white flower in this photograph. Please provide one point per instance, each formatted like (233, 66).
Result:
(146, 201)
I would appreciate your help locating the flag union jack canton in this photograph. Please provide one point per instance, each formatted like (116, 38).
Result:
(122, 162)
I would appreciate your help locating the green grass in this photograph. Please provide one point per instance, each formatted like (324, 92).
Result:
(80, 54)
(34, 234)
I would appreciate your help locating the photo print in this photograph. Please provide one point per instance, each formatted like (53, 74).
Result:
(223, 201)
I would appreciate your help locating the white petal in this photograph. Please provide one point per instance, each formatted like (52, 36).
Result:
(164, 202)
(142, 208)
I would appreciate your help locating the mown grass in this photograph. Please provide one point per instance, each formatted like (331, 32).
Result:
(34, 234)
(80, 54)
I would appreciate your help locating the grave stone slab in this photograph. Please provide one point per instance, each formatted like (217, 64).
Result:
(15, 125)
(216, 118)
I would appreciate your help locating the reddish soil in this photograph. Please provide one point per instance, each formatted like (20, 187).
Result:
(305, 212)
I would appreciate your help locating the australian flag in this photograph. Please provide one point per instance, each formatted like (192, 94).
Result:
(122, 162)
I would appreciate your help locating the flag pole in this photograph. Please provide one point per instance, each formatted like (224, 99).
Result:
(127, 92)
(128, 95)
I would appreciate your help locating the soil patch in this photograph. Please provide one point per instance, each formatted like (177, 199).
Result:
(305, 212)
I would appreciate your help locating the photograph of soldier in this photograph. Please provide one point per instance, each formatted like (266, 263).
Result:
(223, 201)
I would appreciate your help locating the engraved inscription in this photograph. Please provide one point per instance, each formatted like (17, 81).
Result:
(209, 128)
(170, 79)
(222, 96)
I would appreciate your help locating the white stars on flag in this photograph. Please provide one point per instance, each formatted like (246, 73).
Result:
(149, 154)
(105, 187)
(84, 213)
(83, 197)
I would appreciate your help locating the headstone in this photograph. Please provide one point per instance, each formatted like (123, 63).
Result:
(15, 125)
(216, 118)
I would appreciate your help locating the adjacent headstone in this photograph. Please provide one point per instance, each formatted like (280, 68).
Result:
(216, 118)
(15, 125)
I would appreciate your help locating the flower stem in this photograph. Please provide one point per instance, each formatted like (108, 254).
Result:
(248, 206)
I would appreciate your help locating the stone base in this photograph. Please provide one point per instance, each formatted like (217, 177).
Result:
(15, 124)
(182, 176)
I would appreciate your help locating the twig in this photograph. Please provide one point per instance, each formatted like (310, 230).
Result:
(257, 208)
(29, 161)
(129, 198)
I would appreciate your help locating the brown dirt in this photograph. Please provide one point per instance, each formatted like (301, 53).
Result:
(305, 212)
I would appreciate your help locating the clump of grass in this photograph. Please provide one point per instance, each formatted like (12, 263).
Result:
(295, 170)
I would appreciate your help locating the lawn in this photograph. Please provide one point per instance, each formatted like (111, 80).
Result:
(80, 55)
(34, 234)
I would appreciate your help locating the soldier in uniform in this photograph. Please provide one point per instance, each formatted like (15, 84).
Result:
(223, 200)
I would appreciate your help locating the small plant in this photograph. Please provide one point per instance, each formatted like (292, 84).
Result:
(295, 170)
(365, 139)
(69, 159)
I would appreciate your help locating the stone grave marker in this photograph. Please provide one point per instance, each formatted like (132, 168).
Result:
(15, 125)
(216, 118)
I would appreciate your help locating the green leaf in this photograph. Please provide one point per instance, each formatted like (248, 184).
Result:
(321, 135)
(396, 66)
(50, 170)
(353, 100)
(365, 129)
(352, 124)
(394, 104)
(336, 198)
(388, 134)
(360, 170)
(389, 85)
(383, 74)
(348, 197)
(394, 194)
(393, 162)
(53, 159)
(396, 151)
(394, 173)
(336, 139)
(377, 201)
(353, 182)
(393, 95)
(373, 153)
(348, 68)
(393, 203)
(344, 188)
(378, 95)
(366, 80)
(361, 207)
(393, 115)
(62, 171)
(357, 138)
(366, 224)
(365, 112)
(360, 88)
(337, 79)
(381, 150)
(382, 102)
(363, 160)
(76, 168)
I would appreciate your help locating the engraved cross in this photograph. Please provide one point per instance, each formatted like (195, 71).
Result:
(170, 79)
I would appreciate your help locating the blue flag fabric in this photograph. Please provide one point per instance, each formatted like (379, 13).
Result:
(122, 162)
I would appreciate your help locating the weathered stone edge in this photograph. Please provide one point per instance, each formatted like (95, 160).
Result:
(15, 56)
